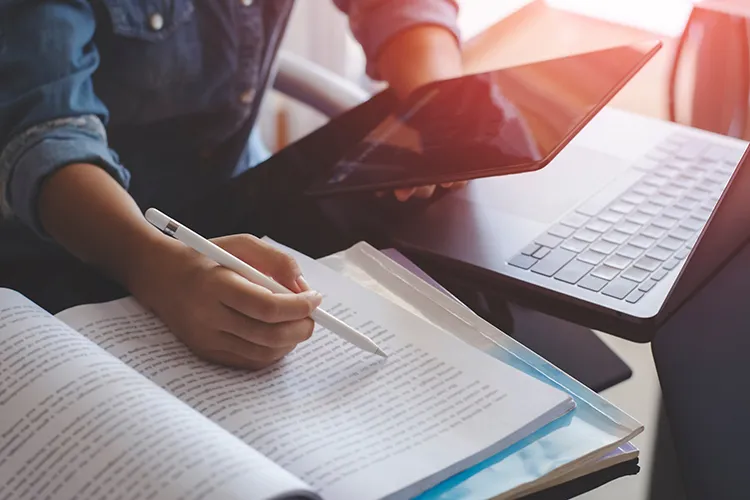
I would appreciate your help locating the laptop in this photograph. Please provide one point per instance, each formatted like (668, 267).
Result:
(625, 223)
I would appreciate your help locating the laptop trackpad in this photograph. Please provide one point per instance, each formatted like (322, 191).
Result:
(572, 177)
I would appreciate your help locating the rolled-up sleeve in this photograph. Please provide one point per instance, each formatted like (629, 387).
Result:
(375, 22)
(50, 116)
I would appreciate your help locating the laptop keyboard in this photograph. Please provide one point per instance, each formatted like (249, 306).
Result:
(623, 247)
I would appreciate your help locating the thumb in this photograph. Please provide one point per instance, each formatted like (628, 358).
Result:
(265, 258)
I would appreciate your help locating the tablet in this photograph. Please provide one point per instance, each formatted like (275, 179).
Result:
(495, 123)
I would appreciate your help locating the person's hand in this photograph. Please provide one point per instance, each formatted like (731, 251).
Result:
(218, 314)
(412, 59)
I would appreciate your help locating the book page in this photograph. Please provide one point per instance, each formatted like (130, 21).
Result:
(348, 423)
(77, 423)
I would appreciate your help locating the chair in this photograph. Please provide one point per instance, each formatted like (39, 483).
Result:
(315, 86)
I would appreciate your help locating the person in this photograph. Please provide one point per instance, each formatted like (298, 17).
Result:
(110, 106)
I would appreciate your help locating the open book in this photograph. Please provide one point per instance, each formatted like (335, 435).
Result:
(102, 401)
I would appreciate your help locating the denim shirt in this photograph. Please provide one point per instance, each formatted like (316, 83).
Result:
(149, 90)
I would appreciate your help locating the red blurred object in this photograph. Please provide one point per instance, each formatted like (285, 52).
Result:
(716, 38)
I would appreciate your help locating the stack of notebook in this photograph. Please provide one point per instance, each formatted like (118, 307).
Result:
(101, 400)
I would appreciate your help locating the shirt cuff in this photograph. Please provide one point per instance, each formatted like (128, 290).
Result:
(374, 27)
(42, 150)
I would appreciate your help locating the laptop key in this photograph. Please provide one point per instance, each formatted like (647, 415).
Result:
(646, 286)
(692, 223)
(645, 190)
(574, 220)
(661, 200)
(619, 288)
(655, 181)
(633, 198)
(664, 222)
(599, 225)
(592, 283)
(591, 257)
(547, 240)
(702, 213)
(672, 190)
(670, 243)
(642, 241)
(630, 251)
(605, 272)
(683, 181)
(586, 235)
(522, 261)
(573, 271)
(653, 232)
(621, 207)
(553, 262)
(638, 218)
(686, 203)
(659, 275)
(635, 274)
(542, 252)
(675, 212)
(530, 249)
(681, 233)
(611, 216)
(618, 261)
(574, 245)
(634, 296)
(627, 227)
(682, 253)
(691, 242)
(647, 264)
(671, 264)
(659, 253)
(604, 247)
(561, 230)
(615, 237)
(649, 209)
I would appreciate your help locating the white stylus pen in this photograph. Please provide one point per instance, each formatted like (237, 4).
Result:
(226, 259)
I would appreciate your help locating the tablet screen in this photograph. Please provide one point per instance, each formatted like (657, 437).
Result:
(505, 121)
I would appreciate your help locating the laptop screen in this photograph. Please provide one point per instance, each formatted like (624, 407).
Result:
(505, 121)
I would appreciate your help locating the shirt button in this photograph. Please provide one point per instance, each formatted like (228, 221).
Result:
(156, 21)
(247, 96)
(247, 3)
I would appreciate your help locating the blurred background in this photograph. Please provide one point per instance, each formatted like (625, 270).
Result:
(700, 78)
(318, 32)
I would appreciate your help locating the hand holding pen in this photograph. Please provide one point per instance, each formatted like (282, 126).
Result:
(265, 320)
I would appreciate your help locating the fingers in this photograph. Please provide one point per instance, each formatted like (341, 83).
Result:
(265, 258)
(404, 194)
(418, 192)
(256, 302)
(424, 192)
(276, 336)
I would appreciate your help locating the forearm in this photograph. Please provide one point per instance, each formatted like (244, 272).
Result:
(94, 218)
(418, 56)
